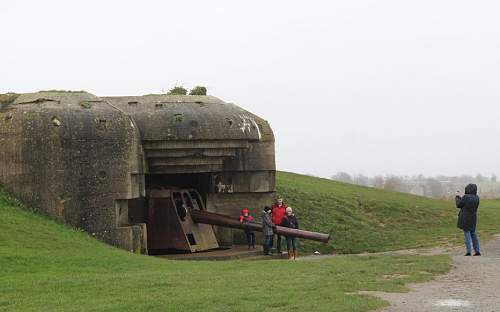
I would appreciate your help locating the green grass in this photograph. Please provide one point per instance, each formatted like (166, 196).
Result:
(364, 219)
(47, 266)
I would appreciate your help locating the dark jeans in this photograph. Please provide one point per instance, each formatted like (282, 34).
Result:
(267, 243)
(250, 239)
(290, 244)
(278, 242)
(470, 236)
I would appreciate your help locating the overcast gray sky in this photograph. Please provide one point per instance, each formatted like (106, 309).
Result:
(373, 87)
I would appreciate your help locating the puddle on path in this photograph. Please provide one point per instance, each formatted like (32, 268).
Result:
(453, 303)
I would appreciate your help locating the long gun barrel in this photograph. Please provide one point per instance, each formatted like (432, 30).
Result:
(211, 218)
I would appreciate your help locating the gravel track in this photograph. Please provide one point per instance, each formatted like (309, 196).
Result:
(473, 284)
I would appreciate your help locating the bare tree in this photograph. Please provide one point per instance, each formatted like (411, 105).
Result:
(342, 177)
(394, 183)
(480, 178)
(434, 188)
(361, 180)
(378, 181)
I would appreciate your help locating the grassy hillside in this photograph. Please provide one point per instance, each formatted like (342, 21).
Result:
(47, 266)
(366, 219)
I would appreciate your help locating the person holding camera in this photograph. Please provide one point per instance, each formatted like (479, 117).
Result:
(467, 217)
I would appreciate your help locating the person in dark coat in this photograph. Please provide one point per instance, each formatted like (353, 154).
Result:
(267, 230)
(290, 221)
(467, 218)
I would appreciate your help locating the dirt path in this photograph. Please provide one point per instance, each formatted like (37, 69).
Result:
(473, 284)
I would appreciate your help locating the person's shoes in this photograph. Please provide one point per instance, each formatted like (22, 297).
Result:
(477, 254)
(467, 254)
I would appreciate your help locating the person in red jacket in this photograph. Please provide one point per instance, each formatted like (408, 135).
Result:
(245, 217)
(278, 211)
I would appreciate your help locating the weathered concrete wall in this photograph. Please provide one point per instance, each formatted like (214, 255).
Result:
(80, 158)
(71, 155)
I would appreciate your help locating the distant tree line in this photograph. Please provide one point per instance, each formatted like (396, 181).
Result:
(435, 187)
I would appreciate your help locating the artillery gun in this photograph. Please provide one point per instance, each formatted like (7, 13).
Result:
(178, 220)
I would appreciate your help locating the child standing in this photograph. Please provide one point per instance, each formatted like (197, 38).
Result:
(245, 217)
(290, 221)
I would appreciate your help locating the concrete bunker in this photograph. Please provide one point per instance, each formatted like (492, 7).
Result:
(117, 166)
(208, 151)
